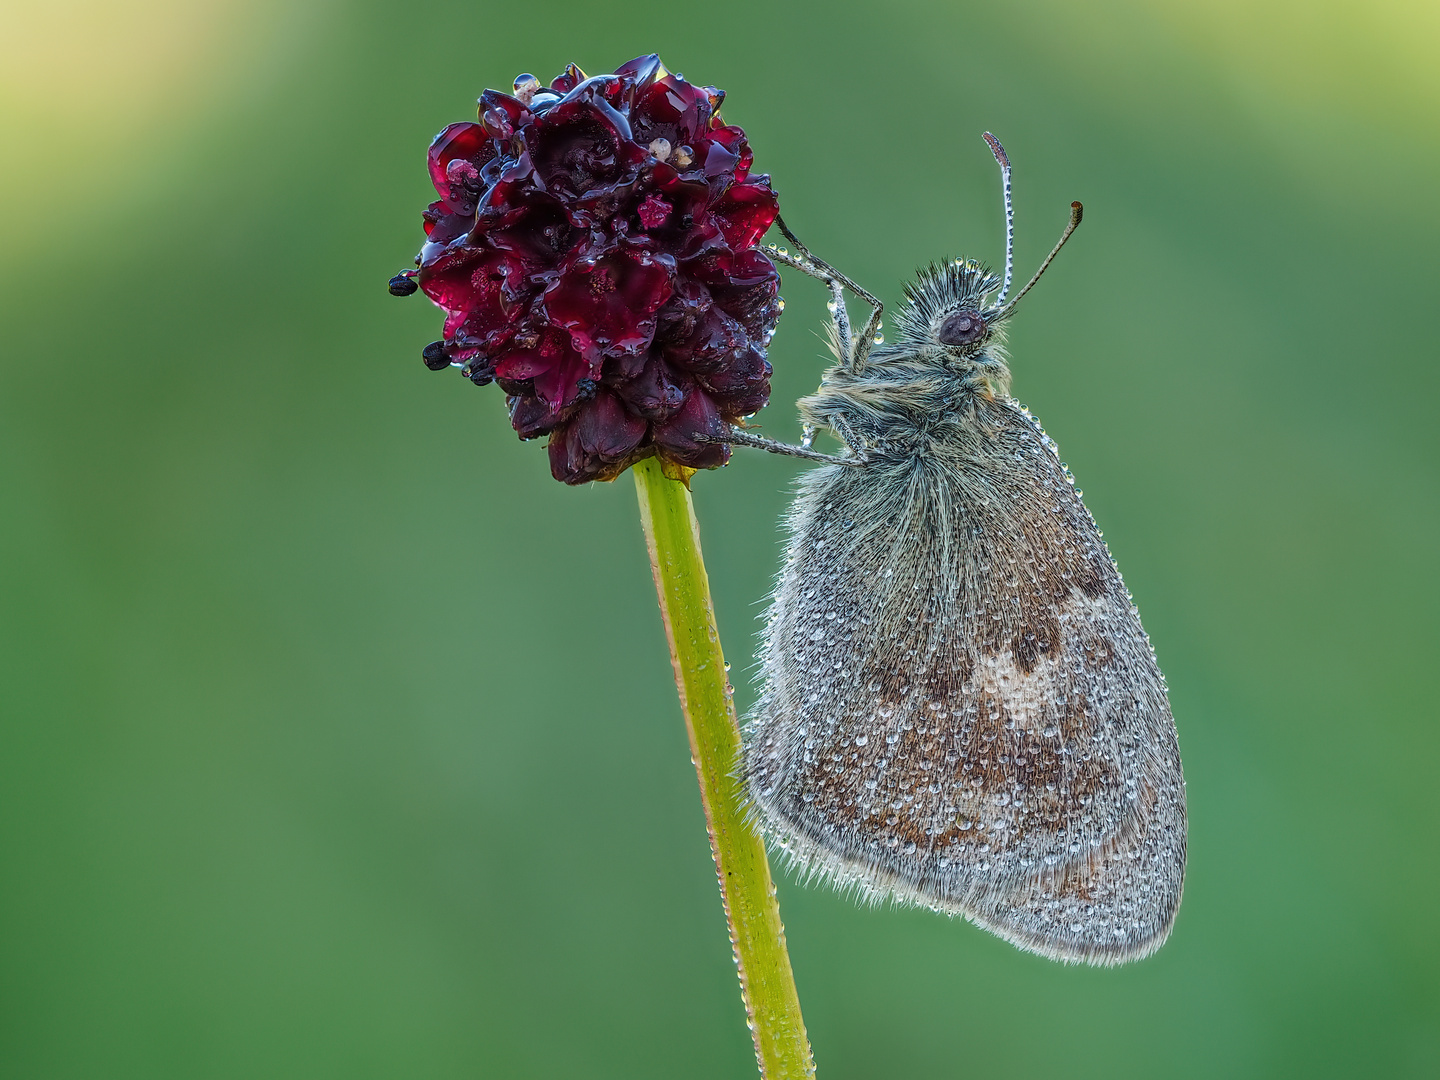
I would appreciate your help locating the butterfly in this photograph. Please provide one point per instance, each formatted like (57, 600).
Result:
(960, 708)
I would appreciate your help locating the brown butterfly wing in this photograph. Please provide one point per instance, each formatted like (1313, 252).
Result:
(961, 708)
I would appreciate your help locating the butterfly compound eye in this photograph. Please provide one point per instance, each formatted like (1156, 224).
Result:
(962, 328)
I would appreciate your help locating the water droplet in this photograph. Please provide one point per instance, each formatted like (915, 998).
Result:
(879, 337)
(807, 436)
(727, 665)
(526, 86)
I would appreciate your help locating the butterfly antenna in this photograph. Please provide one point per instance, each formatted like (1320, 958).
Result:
(1076, 210)
(1004, 160)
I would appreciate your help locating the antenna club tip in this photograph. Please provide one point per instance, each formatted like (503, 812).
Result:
(997, 150)
(1076, 213)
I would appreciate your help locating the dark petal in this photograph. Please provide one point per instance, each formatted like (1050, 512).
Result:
(720, 160)
(613, 201)
(690, 193)
(516, 387)
(597, 444)
(614, 90)
(605, 429)
(741, 388)
(536, 229)
(690, 230)
(719, 340)
(576, 146)
(676, 437)
(568, 79)
(511, 196)
(733, 138)
(485, 289)
(746, 286)
(443, 227)
(619, 369)
(655, 394)
(643, 70)
(487, 329)
(445, 274)
(677, 318)
(670, 104)
(469, 146)
(531, 417)
(501, 114)
(609, 305)
(549, 361)
(561, 384)
(567, 459)
(517, 170)
(701, 239)
(745, 212)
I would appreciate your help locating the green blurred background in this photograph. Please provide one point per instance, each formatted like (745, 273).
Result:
(340, 741)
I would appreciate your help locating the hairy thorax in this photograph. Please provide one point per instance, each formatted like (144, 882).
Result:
(907, 398)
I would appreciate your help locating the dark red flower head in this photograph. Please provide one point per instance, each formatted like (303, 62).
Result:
(594, 250)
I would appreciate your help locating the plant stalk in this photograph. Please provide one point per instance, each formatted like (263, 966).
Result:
(757, 936)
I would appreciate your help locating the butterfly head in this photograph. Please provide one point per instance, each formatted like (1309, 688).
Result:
(949, 319)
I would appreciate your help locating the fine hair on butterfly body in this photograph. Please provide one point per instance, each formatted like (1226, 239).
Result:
(960, 708)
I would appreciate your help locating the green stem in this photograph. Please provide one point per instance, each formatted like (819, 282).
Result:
(766, 982)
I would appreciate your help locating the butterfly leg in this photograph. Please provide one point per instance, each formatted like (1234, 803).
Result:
(847, 435)
(806, 265)
(855, 350)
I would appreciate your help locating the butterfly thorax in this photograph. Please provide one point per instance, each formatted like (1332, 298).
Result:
(945, 370)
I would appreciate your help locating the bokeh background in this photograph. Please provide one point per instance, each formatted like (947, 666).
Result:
(339, 741)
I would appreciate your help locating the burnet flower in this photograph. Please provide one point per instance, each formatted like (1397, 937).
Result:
(594, 251)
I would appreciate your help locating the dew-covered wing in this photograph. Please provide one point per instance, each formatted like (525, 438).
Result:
(960, 706)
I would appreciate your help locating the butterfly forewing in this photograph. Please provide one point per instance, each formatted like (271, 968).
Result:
(960, 706)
